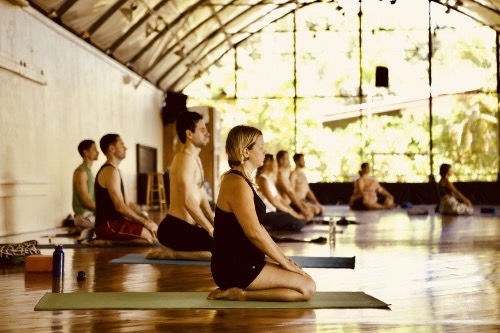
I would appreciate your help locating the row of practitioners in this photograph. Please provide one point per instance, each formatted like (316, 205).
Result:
(246, 263)
(369, 194)
(290, 202)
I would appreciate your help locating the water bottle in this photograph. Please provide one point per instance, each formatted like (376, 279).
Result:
(332, 230)
(58, 262)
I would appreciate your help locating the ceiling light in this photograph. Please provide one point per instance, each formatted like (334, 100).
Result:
(149, 29)
(129, 12)
(53, 14)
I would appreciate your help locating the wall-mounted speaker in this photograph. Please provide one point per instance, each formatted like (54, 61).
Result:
(175, 104)
(381, 77)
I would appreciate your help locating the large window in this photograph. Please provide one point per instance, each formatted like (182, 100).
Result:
(308, 81)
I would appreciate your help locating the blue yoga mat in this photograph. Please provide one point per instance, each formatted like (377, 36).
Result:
(306, 262)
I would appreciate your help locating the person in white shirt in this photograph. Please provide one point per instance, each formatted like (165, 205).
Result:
(279, 215)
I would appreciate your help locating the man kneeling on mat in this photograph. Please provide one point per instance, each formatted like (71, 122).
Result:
(117, 220)
(187, 230)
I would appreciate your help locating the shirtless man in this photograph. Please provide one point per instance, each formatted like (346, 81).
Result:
(83, 190)
(301, 186)
(116, 219)
(368, 193)
(286, 190)
(187, 230)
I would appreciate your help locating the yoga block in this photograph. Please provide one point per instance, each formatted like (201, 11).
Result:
(488, 210)
(38, 263)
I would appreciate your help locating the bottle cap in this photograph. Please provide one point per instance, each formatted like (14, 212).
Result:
(59, 247)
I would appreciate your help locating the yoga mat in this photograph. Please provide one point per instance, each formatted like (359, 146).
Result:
(91, 246)
(306, 262)
(318, 240)
(195, 300)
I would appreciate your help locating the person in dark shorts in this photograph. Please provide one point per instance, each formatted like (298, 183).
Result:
(187, 230)
(241, 244)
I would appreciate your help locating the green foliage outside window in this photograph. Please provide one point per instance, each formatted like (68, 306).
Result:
(287, 92)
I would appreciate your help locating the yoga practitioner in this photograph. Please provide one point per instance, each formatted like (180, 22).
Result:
(279, 215)
(286, 190)
(368, 193)
(300, 184)
(451, 200)
(83, 191)
(187, 230)
(241, 243)
(116, 219)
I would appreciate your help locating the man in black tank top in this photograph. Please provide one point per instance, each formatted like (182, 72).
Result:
(116, 220)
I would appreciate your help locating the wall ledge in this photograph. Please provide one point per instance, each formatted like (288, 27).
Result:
(23, 188)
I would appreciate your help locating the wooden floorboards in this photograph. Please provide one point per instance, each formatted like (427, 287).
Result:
(439, 274)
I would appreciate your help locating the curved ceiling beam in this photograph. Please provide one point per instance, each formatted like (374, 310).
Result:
(136, 26)
(170, 49)
(164, 31)
(158, 82)
(100, 21)
(210, 36)
(65, 7)
(494, 11)
(163, 76)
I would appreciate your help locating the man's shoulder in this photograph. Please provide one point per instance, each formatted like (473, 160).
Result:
(107, 170)
(181, 158)
(299, 173)
(182, 163)
(281, 174)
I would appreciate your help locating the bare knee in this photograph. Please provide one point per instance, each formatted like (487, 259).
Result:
(308, 289)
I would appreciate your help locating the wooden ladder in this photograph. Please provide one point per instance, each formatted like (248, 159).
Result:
(155, 194)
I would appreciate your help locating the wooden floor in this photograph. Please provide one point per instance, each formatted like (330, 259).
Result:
(439, 275)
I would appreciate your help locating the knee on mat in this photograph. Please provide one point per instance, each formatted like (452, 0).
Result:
(309, 290)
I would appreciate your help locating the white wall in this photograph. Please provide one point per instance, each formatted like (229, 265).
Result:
(43, 116)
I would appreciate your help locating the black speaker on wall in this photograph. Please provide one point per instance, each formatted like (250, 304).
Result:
(175, 104)
(381, 77)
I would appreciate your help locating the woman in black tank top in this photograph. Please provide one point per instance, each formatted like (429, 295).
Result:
(241, 243)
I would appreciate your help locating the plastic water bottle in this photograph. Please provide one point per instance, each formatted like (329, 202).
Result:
(58, 262)
(332, 230)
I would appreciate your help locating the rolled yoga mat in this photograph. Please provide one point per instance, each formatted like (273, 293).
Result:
(306, 262)
(195, 300)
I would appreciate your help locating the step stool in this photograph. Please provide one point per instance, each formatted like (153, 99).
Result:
(155, 193)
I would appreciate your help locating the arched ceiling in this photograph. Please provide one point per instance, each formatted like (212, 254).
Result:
(170, 42)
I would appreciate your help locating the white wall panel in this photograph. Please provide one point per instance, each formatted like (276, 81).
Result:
(86, 95)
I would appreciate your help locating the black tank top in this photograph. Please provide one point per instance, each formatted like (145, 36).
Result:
(104, 207)
(230, 242)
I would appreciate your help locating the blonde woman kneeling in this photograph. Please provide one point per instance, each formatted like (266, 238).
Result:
(241, 243)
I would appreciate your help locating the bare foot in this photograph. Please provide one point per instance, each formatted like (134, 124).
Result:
(231, 294)
(161, 253)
